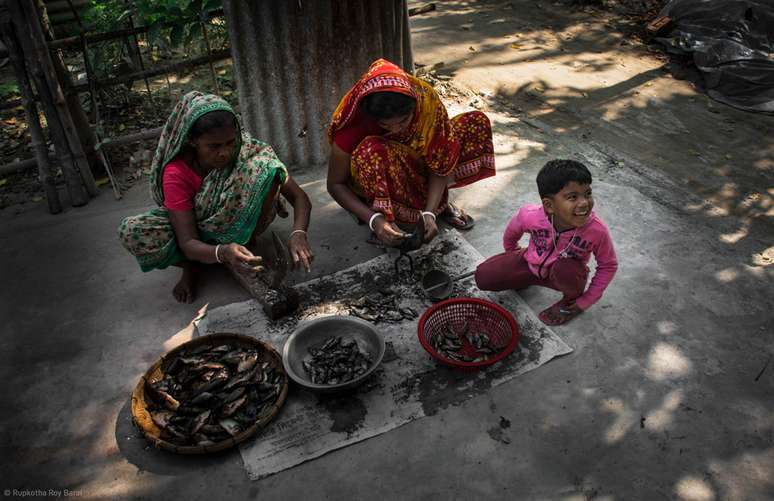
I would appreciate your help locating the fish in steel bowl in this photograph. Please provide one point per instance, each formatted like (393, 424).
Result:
(333, 353)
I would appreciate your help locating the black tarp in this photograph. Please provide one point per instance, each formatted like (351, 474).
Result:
(732, 45)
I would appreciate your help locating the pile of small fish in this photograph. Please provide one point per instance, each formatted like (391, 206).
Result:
(464, 346)
(381, 306)
(208, 394)
(336, 360)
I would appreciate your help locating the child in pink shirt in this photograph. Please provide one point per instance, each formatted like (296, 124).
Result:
(564, 232)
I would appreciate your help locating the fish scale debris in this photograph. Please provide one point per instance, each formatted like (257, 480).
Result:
(381, 306)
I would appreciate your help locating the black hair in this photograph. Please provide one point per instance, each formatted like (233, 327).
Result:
(212, 120)
(386, 105)
(556, 174)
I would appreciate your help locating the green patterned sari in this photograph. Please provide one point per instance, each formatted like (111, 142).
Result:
(228, 203)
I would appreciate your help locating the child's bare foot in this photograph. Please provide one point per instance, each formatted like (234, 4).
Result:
(185, 289)
(559, 313)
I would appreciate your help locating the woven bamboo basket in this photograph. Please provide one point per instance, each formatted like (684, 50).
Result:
(142, 418)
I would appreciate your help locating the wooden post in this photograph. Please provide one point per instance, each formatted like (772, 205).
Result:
(209, 55)
(73, 180)
(49, 72)
(86, 136)
(33, 122)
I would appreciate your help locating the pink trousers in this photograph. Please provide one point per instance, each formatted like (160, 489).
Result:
(510, 270)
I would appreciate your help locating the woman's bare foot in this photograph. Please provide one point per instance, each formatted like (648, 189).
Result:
(185, 289)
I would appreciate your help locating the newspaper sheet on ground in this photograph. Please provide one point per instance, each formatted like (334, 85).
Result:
(408, 385)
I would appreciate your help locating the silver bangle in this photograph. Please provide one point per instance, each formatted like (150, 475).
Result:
(217, 258)
(428, 213)
(371, 221)
(296, 231)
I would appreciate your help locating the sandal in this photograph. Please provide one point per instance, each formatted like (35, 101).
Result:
(457, 218)
(556, 314)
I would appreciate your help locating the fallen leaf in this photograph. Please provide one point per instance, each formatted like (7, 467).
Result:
(515, 46)
(102, 181)
(3, 182)
(694, 152)
(37, 199)
(10, 121)
(728, 156)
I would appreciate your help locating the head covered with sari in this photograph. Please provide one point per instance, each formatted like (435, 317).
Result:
(429, 134)
(229, 202)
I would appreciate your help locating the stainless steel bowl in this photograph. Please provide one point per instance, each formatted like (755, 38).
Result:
(314, 332)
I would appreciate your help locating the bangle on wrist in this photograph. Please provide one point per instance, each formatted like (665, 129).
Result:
(371, 221)
(217, 257)
(427, 213)
(294, 232)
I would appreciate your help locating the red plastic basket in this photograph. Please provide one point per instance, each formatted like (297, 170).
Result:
(481, 315)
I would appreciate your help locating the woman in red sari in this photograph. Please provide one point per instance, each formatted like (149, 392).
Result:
(395, 153)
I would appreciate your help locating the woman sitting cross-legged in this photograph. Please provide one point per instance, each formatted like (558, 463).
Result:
(395, 153)
(217, 189)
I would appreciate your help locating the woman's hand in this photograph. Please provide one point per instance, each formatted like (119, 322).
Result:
(431, 228)
(300, 251)
(239, 255)
(388, 233)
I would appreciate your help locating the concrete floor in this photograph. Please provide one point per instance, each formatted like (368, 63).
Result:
(660, 400)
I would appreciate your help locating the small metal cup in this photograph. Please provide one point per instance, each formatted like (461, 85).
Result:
(434, 279)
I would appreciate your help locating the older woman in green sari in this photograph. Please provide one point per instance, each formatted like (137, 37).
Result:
(217, 189)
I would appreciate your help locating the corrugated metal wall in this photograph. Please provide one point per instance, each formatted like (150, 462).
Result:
(294, 60)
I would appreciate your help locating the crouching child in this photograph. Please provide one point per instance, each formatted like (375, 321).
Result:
(563, 234)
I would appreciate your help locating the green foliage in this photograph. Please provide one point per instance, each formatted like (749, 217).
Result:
(177, 22)
(172, 24)
(8, 90)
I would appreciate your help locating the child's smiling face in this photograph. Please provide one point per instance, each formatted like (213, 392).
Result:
(571, 207)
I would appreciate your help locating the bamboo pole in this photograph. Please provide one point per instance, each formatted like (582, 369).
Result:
(77, 115)
(209, 56)
(131, 138)
(62, 43)
(105, 144)
(87, 64)
(33, 121)
(158, 70)
(50, 74)
(73, 180)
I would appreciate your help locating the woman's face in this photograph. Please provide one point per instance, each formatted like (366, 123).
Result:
(397, 124)
(215, 148)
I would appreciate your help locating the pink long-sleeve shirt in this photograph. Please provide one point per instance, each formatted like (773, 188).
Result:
(579, 243)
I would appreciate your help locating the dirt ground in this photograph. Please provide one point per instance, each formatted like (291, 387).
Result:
(669, 393)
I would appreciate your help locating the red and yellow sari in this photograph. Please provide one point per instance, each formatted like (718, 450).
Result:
(391, 171)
